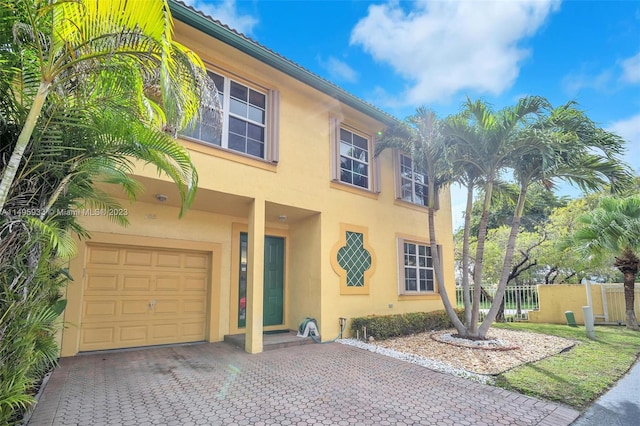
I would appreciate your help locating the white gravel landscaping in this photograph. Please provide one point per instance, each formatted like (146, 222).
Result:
(477, 360)
(432, 364)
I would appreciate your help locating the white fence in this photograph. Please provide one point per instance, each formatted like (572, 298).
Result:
(613, 304)
(518, 300)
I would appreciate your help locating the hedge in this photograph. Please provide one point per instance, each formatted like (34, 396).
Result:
(383, 327)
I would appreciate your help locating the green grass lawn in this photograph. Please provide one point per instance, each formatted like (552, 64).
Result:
(576, 377)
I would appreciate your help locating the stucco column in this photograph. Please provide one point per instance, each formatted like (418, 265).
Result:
(255, 277)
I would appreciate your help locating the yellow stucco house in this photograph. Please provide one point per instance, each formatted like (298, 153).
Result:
(294, 218)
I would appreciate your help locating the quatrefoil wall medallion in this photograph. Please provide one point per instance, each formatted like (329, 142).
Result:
(353, 259)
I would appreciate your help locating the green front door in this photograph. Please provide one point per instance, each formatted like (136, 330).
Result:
(273, 304)
(273, 281)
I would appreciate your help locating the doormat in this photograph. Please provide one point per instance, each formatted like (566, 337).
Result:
(275, 332)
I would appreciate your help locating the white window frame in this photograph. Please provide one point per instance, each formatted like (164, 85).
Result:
(271, 120)
(336, 126)
(399, 177)
(403, 267)
(410, 177)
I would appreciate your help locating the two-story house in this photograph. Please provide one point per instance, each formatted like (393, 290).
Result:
(294, 217)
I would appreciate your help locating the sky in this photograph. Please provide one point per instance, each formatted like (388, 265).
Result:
(399, 55)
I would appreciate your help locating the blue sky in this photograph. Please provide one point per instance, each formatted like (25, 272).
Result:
(402, 54)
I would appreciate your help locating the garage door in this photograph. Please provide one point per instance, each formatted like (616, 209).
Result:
(142, 296)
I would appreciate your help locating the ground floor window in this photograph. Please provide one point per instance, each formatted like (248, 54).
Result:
(418, 268)
(242, 287)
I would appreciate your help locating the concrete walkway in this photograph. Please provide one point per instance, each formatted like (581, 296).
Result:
(218, 384)
(620, 406)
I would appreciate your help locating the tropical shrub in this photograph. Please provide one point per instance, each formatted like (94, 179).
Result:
(30, 304)
(388, 326)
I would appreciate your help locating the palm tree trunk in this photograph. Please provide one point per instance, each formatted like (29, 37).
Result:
(437, 266)
(477, 270)
(466, 292)
(500, 314)
(506, 267)
(11, 170)
(629, 300)
(62, 186)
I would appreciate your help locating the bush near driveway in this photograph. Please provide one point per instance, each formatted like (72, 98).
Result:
(387, 326)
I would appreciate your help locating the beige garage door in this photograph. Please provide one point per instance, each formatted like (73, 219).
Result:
(142, 296)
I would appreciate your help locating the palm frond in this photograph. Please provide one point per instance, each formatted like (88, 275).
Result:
(59, 239)
(611, 228)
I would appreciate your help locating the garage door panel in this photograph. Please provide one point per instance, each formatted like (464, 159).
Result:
(194, 307)
(96, 336)
(183, 307)
(134, 334)
(99, 309)
(195, 283)
(150, 296)
(127, 336)
(167, 307)
(168, 282)
(138, 258)
(103, 255)
(192, 330)
(196, 261)
(101, 281)
(135, 307)
(169, 260)
(165, 331)
(137, 282)
(112, 309)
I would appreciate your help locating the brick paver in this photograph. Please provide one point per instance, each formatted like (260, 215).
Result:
(218, 384)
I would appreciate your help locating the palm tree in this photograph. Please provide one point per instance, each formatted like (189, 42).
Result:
(486, 142)
(64, 48)
(467, 175)
(562, 145)
(614, 229)
(420, 137)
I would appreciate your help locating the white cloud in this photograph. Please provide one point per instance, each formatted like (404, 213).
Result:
(602, 82)
(609, 80)
(629, 129)
(631, 69)
(225, 12)
(339, 70)
(443, 47)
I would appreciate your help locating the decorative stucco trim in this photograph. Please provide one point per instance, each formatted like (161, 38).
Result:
(342, 273)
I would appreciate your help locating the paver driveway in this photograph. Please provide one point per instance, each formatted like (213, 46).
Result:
(218, 384)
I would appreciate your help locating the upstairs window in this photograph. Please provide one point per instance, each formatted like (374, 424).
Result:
(354, 159)
(207, 130)
(249, 123)
(247, 114)
(413, 182)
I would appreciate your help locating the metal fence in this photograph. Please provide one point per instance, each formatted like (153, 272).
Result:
(518, 300)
